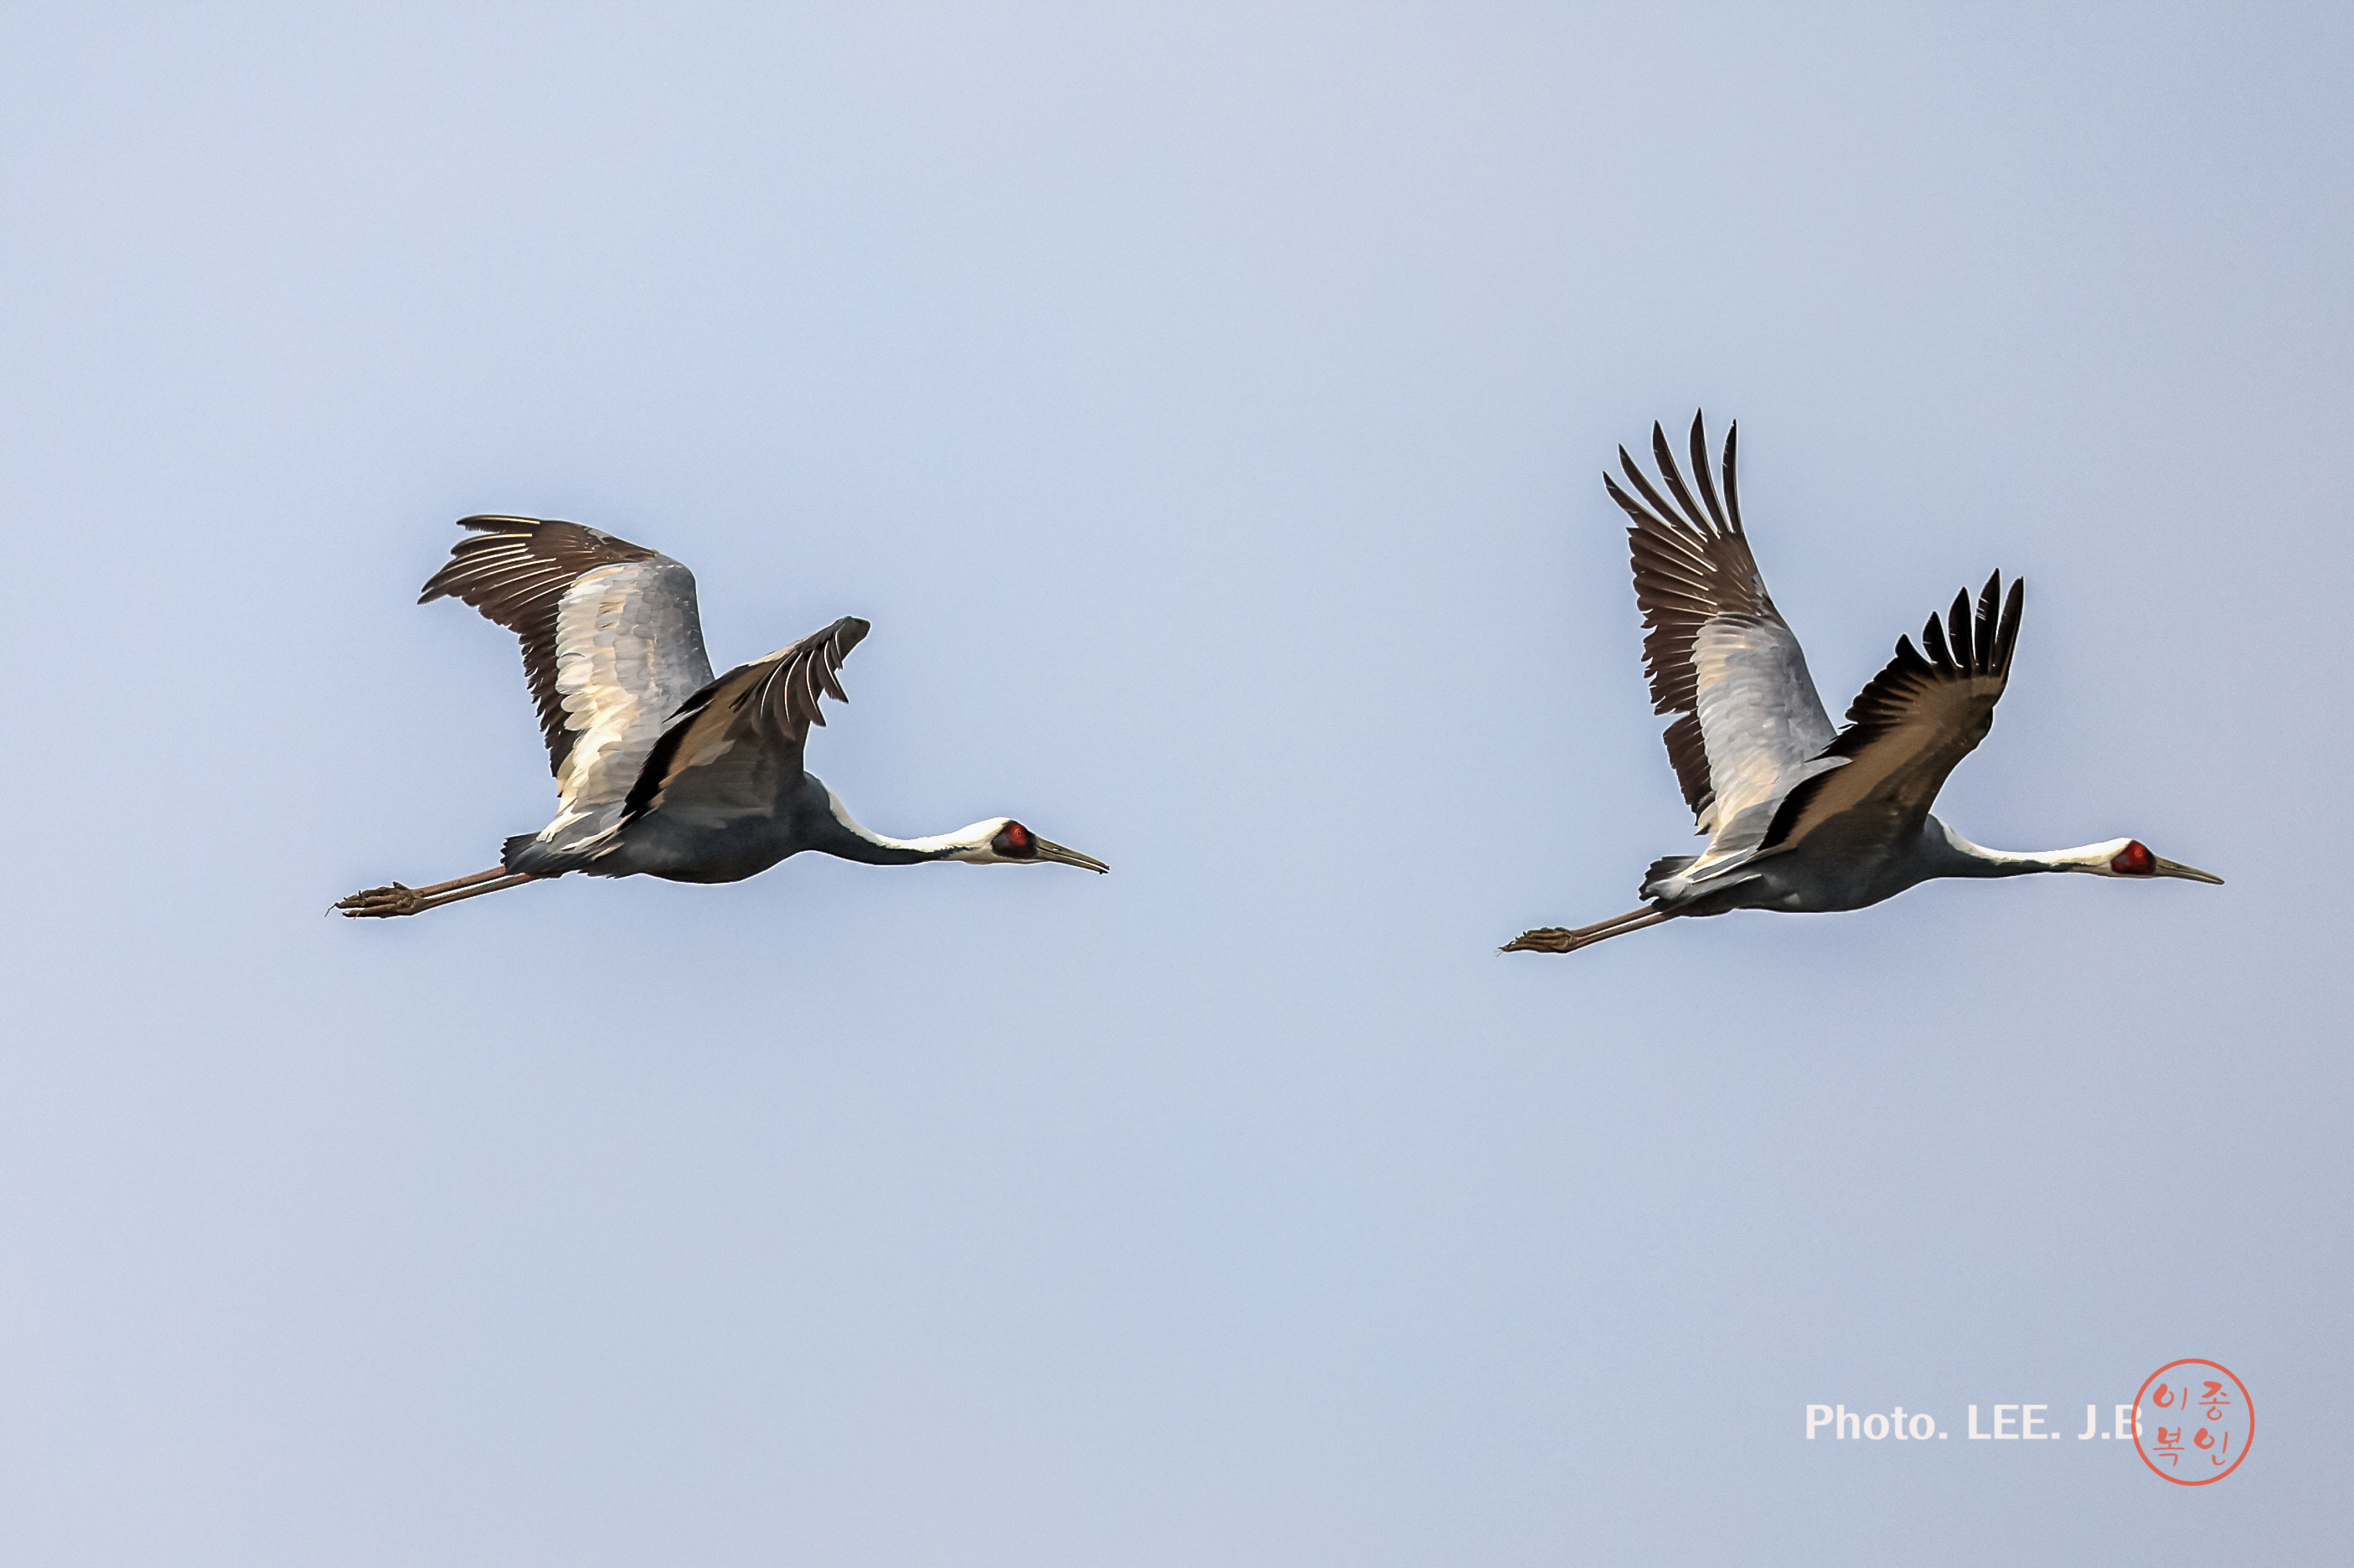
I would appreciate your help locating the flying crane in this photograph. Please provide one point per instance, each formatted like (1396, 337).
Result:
(1798, 817)
(661, 770)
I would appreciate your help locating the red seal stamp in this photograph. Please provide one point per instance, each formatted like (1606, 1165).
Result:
(2214, 1422)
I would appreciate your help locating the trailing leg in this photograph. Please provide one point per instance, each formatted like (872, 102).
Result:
(1557, 939)
(386, 903)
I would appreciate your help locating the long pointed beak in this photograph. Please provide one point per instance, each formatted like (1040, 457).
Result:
(2187, 872)
(1061, 856)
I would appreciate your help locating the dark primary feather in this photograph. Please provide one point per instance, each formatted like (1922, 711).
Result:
(1912, 724)
(1691, 563)
(732, 742)
(515, 572)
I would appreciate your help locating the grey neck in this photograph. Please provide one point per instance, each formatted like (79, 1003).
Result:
(842, 843)
(837, 833)
(1954, 855)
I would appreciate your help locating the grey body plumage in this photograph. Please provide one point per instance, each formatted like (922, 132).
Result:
(1800, 817)
(689, 846)
(661, 769)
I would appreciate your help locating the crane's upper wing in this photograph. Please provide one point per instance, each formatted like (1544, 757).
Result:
(1718, 652)
(1910, 726)
(612, 641)
(736, 744)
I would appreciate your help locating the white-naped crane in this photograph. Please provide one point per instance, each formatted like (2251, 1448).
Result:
(1799, 818)
(661, 770)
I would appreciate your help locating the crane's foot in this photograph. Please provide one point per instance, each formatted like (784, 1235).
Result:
(389, 903)
(1564, 939)
(381, 902)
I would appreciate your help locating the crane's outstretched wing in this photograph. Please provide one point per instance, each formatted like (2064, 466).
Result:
(612, 641)
(1909, 726)
(1719, 653)
(736, 744)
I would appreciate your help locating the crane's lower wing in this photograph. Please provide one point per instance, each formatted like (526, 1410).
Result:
(1718, 653)
(735, 747)
(612, 641)
(1908, 727)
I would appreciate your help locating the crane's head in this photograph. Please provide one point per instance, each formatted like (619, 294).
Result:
(2131, 857)
(1002, 841)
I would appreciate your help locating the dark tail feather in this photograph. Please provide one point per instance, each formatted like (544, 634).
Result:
(1667, 865)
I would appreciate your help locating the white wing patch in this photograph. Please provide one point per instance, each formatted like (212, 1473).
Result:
(629, 652)
(1763, 725)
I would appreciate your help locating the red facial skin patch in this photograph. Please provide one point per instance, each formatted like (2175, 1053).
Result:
(1020, 835)
(2133, 860)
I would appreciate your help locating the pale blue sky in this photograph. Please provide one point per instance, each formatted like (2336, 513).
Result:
(1206, 405)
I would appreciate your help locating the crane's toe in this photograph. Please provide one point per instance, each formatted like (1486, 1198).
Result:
(380, 903)
(1543, 939)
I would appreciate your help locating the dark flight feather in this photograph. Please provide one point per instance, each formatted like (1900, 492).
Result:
(1913, 723)
(1691, 564)
(516, 572)
(769, 703)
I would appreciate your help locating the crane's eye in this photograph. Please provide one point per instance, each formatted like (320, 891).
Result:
(1015, 841)
(2133, 860)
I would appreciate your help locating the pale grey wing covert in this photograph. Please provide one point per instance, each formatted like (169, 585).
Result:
(1751, 725)
(612, 644)
(736, 745)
